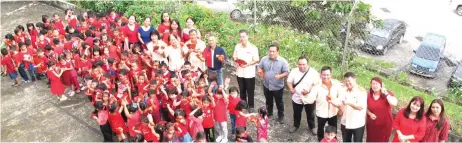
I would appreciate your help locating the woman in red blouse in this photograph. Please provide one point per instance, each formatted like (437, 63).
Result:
(437, 128)
(379, 106)
(164, 27)
(410, 122)
(175, 29)
(130, 32)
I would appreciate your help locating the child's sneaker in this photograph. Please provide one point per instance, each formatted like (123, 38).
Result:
(83, 88)
(72, 93)
(219, 138)
(224, 140)
(62, 98)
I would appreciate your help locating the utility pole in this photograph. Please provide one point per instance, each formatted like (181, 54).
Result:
(347, 37)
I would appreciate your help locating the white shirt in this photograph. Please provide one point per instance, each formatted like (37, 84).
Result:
(352, 118)
(175, 56)
(193, 59)
(311, 78)
(155, 55)
(247, 54)
(319, 94)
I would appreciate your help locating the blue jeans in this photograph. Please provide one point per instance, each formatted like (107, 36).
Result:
(22, 72)
(186, 138)
(233, 122)
(220, 75)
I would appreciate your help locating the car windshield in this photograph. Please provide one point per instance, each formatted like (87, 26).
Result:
(428, 53)
(380, 33)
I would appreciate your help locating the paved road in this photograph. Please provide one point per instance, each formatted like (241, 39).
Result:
(425, 16)
(30, 113)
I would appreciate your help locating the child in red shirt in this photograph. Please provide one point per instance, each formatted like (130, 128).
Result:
(40, 61)
(233, 99)
(220, 100)
(101, 114)
(182, 126)
(9, 67)
(117, 122)
(153, 105)
(330, 135)
(208, 122)
(146, 128)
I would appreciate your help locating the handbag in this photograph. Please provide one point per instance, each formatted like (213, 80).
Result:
(295, 85)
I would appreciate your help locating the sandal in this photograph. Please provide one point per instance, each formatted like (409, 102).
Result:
(15, 85)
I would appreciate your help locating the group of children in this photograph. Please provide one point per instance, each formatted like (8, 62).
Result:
(135, 98)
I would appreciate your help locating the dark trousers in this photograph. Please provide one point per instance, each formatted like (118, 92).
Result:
(309, 110)
(232, 117)
(352, 135)
(210, 134)
(247, 90)
(276, 96)
(107, 132)
(332, 121)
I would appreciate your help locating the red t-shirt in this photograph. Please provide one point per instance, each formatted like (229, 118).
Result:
(89, 40)
(131, 35)
(208, 117)
(60, 26)
(324, 140)
(232, 105)
(241, 121)
(184, 128)
(186, 106)
(147, 133)
(135, 119)
(220, 110)
(73, 22)
(7, 61)
(42, 44)
(21, 38)
(18, 58)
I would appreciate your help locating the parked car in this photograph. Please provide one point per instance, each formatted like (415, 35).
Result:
(456, 78)
(227, 6)
(428, 55)
(457, 6)
(383, 38)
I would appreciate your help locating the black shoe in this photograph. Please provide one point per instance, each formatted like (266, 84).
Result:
(313, 131)
(281, 120)
(293, 129)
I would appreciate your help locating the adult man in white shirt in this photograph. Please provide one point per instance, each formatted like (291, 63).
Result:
(325, 95)
(354, 107)
(247, 52)
(300, 82)
(193, 54)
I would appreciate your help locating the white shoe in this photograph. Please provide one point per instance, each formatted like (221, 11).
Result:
(63, 98)
(83, 88)
(219, 138)
(224, 140)
(72, 93)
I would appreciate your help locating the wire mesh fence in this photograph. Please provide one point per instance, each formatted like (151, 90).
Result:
(382, 45)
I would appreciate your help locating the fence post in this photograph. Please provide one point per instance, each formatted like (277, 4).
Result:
(347, 37)
(255, 12)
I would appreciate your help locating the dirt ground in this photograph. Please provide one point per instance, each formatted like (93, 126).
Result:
(29, 113)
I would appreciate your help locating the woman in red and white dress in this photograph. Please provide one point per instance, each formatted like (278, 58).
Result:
(174, 54)
(193, 50)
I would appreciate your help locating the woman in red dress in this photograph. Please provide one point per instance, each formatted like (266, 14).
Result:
(379, 107)
(130, 32)
(54, 73)
(437, 128)
(66, 67)
(164, 27)
(410, 122)
(175, 29)
(116, 121)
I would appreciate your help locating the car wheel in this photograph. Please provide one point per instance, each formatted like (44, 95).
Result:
(459, 10)
(235, 14)
(400, 39)
(384, 51)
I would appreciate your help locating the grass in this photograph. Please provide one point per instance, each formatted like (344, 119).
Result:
(373, 62)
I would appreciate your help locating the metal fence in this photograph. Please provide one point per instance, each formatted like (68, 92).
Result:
(382, 45)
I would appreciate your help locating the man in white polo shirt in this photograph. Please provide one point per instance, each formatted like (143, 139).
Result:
(354, 107)
(300, 82)
(247, 52)
(325, 94)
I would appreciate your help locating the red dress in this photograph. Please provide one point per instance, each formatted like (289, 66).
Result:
(409, 126)
(384, 121)
(57, 88)
(33, 37)
(66, 76)
(116, 121)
